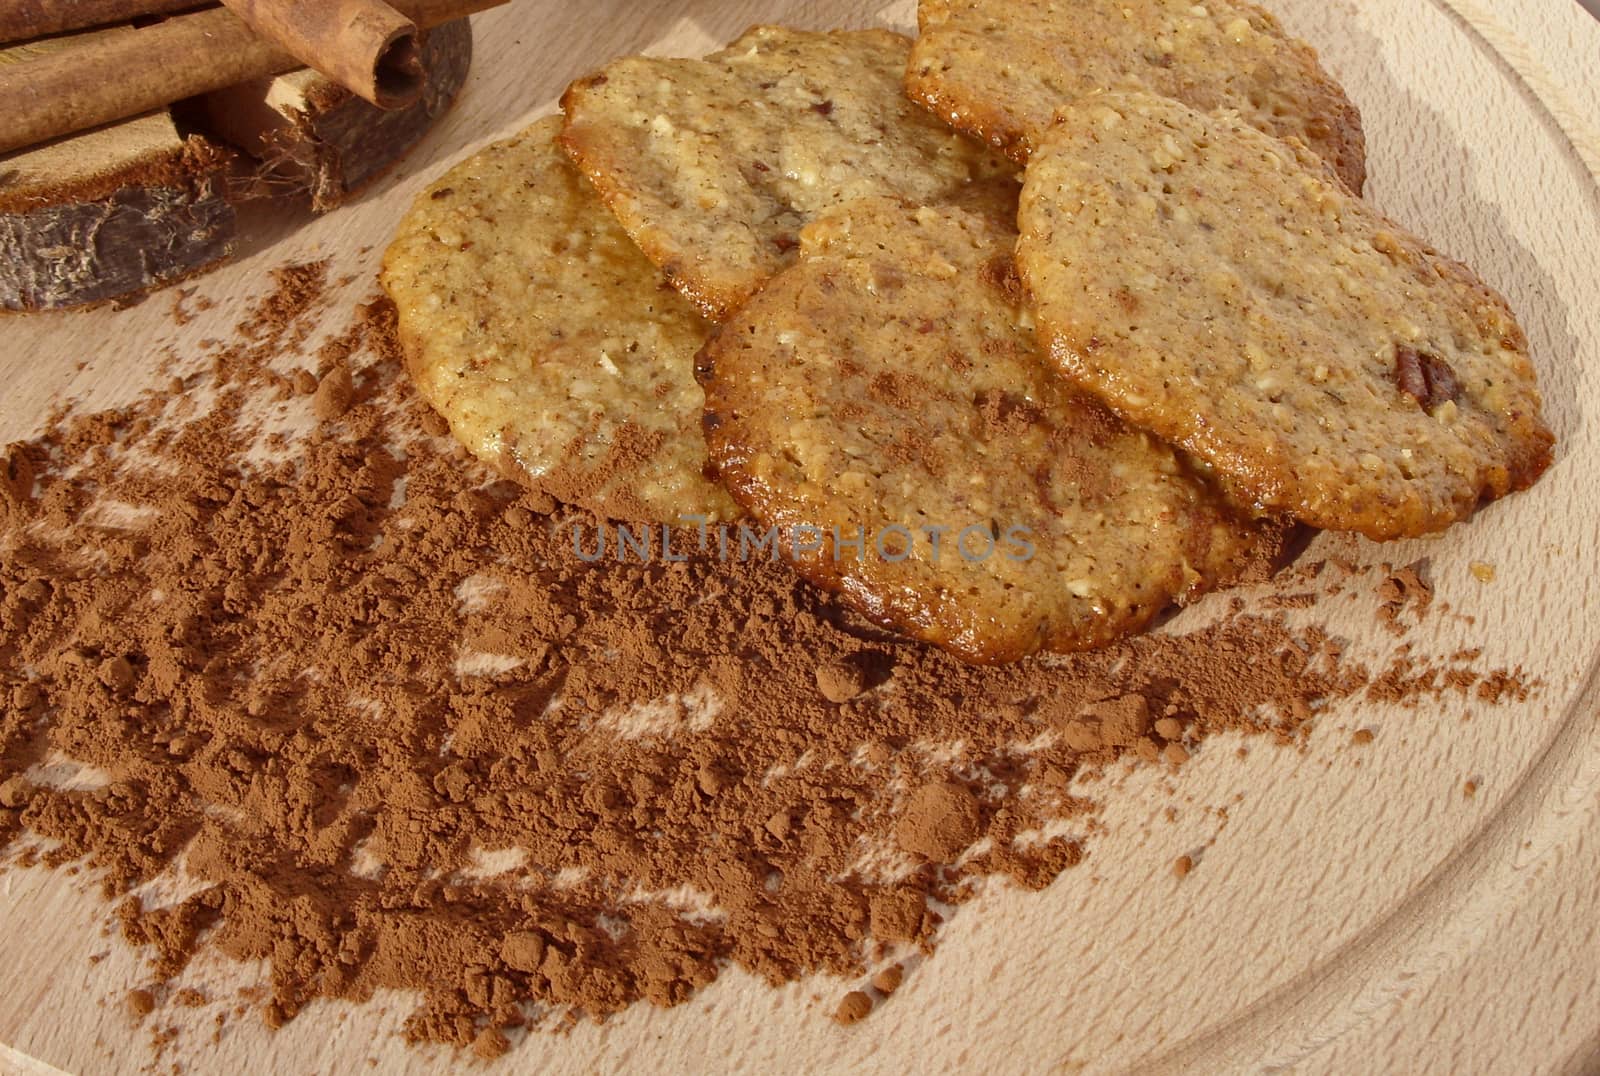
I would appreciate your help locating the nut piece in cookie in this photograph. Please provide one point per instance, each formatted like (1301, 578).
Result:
(713, 166)
(1222, 289)
(999, 69)
(881, 398)
(551, 345)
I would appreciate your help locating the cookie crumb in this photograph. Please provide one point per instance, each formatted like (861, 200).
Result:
(1470, 789)
(1182, 866)
(1362, 737)
(1484, 573)
(854, 1008)
(141, 1003)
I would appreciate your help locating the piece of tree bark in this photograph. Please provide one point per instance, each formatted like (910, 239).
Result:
(308, 134)
(109, 213)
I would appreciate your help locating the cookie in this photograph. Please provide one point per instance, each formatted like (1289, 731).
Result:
(1224, 290)
(550, 344)
(999, 69)
(882, 405)
(713, 166)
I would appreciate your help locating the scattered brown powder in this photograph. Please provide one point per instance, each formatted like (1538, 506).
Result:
(1411, 680)
(397, 734)
(940, 821)
(182, 313)
(161, 1038)
(490, 1043)
(1404, 591)
(1499, 685)
(899, 916)
(1122, 721)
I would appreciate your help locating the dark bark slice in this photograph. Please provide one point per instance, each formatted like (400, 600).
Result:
(114, 213)
(312, 136)
(110, 214)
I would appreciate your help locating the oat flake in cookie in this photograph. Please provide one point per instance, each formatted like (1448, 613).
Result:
(554, 349)
(883, 387)
(998, 69)
(1220, 288)
(715, 165)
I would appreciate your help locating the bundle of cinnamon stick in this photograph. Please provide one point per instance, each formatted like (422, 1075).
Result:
(172, 52)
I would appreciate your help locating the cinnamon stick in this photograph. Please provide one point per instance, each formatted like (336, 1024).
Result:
(109, 77)
(24, 20)
(364, 45)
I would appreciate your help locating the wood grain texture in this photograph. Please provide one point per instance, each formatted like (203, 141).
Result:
(1353, 911)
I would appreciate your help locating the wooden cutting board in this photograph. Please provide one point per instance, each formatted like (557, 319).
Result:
(1353, 910)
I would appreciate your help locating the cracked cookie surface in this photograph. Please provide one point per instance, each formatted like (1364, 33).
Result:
(714, 165)
(550, 344)
(1222, 289)
(999, 69)
(887, 386)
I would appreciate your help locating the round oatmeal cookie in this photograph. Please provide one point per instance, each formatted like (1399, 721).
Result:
(552, 346)
(882, 410)
(1222, 289)
(999, 69)
(714, 165)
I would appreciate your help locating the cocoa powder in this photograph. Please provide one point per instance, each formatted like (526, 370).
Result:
(367, 699)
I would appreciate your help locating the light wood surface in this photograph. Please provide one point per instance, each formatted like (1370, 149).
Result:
(1354, 911)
